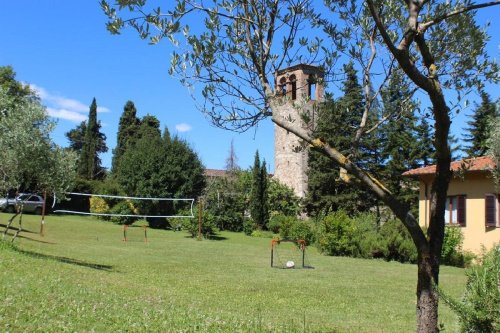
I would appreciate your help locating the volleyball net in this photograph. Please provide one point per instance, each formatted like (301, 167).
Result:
(118, 206)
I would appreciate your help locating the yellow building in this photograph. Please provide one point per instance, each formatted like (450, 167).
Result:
(473, 203)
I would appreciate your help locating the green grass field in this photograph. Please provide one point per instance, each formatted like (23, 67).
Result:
(82, 277)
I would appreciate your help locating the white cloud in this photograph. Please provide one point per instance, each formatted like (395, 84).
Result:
(102, 109)
(183, 127)
(64, 108)
(66, 114)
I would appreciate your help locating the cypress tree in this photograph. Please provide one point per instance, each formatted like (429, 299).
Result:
(94, 143)
(127, 129)
(479, 128)
(258, 195)
(264, 198)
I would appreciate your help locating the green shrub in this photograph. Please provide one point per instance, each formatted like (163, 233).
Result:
(302, 230)
(208, 225)
(397, 242)
(249, 226)
(109, 187)
(282, 224)
(228, 208)
(452, 253)
(335, 235)
(99, 206)
(479, 310)
(228, 219)
(368, 241)
(274, 223)
(281, 199)
(123, 208)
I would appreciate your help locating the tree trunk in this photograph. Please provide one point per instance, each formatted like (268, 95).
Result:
(427, 297)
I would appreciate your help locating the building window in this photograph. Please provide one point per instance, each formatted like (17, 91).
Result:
(293, 84)
(312, 88)
(282, 86)
(492, 210)
(455, 210)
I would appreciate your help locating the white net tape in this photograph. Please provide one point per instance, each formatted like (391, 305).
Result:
(191, 201)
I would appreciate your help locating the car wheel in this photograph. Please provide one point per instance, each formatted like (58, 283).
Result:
(10, 209)
(38, 211)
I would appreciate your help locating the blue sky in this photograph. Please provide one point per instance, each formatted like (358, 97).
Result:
(63, 49)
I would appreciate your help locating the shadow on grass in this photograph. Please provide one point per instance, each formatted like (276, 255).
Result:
(66, 260)
(216, 238)
(9, 235)
(15, 228)
(211, 237)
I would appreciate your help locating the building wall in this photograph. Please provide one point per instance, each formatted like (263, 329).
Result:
(290, 155)
(474, 186)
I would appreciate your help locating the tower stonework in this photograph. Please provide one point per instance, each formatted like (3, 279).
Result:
(301, 89)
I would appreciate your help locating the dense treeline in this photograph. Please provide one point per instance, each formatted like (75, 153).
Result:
(401, 143)
(146, 163)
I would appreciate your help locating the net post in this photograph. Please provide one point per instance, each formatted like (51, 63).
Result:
(303, 256)
(302, 244)
(273, 244)
(42, 222)
(272, 252)
(200, 216)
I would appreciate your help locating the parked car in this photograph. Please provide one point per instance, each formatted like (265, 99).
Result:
(30, 203)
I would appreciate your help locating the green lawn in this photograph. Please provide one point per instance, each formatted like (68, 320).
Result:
(82, 277)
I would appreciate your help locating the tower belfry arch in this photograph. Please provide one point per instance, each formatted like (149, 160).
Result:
(301, 90)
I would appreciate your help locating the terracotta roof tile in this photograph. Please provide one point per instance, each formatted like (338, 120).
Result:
(483, 163)
(215, 173)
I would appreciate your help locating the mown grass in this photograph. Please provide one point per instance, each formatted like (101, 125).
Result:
(82, 277)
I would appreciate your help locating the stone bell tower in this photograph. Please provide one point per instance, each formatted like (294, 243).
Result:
(301, 89)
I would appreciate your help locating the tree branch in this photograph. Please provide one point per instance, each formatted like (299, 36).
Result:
(383, 32)
(401, 53)
(424, 26)
(367, 90)
(390, 115)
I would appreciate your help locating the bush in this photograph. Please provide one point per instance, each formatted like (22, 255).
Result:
(302, 230)
(397, 242)
(336, 232)
(281, 199)
(452, 253)
(281, 224)
(157, 222)
(208, 225)
(479, 309)
(99, 206)
(368, 241)
(123, 208)
(249, 226)
(228, 219)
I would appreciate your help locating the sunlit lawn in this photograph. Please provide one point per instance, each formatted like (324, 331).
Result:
(82, 277)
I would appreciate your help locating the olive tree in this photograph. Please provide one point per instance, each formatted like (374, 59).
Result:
(30, 160)
(235, 55)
